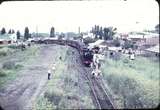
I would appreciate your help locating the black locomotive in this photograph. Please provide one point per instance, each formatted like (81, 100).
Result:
(87, 57)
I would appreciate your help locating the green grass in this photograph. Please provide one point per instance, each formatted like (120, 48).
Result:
(136, 82)
(4, 51)
(10, 72)
(43, 104)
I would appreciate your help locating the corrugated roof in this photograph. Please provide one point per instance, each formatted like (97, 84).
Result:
(154, 49)
(5, 37)
(114, 48)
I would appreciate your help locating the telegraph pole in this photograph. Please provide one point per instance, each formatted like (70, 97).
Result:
(37, 30)
(79, 30)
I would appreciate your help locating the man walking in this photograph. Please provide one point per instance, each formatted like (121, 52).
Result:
(49, 74)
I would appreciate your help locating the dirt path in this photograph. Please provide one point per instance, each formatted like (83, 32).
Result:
(21, 93)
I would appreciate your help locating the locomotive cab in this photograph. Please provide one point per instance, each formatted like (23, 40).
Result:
(87, 57)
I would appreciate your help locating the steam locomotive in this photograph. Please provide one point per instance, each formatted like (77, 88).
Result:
(87, 57)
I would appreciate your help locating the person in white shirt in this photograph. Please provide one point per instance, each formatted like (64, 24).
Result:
(49, 74)
(132, 56)
(51, 69)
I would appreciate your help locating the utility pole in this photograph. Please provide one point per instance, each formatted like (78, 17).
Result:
(37, 30)
(79, 30)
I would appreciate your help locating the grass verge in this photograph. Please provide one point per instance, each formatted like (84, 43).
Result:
(134, 83)
(13, 63)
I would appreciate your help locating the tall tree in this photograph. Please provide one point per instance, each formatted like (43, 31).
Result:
(3, 31)
(26, 33)
(101, 33)
(52, 32)
(18, 34)
(95, 31)
(9, 32)
(12, 32)
(109, 33)
(157, 28)
(106, 33)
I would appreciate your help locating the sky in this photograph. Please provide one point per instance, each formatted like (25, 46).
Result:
(67, 16)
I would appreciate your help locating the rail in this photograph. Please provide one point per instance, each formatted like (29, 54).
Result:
(102, 99)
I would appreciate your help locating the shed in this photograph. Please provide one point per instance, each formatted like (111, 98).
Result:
(5, 39)
(153, 51)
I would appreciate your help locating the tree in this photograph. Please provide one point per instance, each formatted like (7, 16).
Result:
(106, 33)
(18, 34)
(95, 31)
(52, 32)
(100, 33)
(116, 42)
(26, 33)
(9, 32)
(88, 40)
(157, 28)
(12, 32)
(109, 33)
(3, 31)
(61, 36)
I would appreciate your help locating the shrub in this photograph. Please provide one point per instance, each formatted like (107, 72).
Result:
(3, 53)
(43, 104)
(131, 81)
(88, 40)
(5, 50)
(18, 66)
(9, 65)
(55, 98)
(116, 42)
(2, 73)
(12, 46)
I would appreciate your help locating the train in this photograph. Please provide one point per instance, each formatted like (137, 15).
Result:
(85, 53)
(87, 57)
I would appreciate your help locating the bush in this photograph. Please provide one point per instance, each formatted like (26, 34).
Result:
(88, 40)
(116, 42)
(12, 46)
(2, 73)
(9, 65)
(43, 104)
(18, 66)
(3, 53)
(53, 97)
(131, 81)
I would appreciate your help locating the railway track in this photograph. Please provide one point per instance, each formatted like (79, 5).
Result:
(101, 97)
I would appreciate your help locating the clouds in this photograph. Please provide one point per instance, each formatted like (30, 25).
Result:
(68, 15)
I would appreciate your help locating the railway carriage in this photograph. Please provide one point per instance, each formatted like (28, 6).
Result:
(85, 53)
